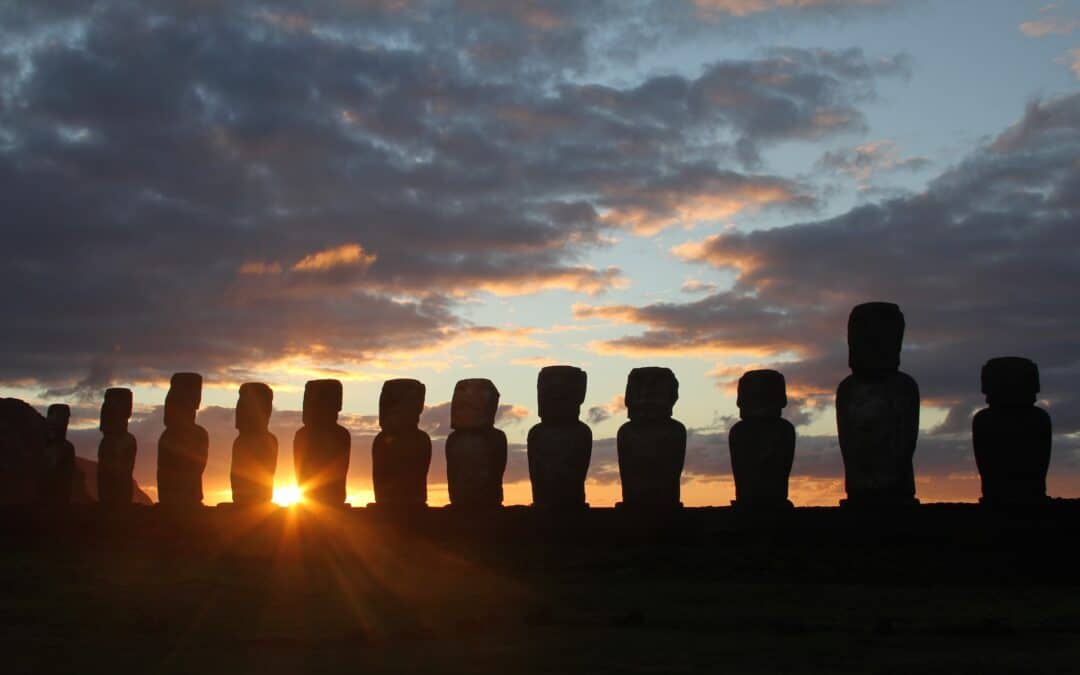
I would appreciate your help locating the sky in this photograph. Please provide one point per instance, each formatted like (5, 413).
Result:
(371, 189)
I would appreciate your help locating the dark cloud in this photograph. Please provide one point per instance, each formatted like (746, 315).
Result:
(218, 185)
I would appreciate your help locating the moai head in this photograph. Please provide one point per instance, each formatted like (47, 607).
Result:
(115, 410)
(875, 336)
(651, 393)
(560, 391)
(183, 399)
(322, 402)
(254, 406)
(474, 404)
(762, 393)
(1010, 381)
(57, 418)
(400, 404)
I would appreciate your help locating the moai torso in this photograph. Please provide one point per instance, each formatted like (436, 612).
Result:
(117, 449)
(476, 451)
(322, 447)
(58, 458)
(762, 444)
(184, 445)
(255, 450)
(560, 446)
(401, 452)
(877, 410)
(652, 445)
(1012, 437)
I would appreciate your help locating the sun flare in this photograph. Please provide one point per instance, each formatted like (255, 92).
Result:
(287, 495)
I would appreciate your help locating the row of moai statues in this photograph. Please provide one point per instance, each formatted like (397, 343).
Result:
(877, 411)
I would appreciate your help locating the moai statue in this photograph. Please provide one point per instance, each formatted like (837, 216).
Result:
(560, 446)
(762, 444)
(1012, 437)
(184, 445)
(116, 452)
(58, 460)
(255, 450)
(475, 449)
(652, 445)
(401, 452)
(322, 447)
(877, 410)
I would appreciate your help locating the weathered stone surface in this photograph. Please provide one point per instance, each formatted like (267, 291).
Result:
(1012, 437)
(184, 445)
(476, 452)
(117, 449)
(255, 450)
(560, 446)
(401, 452)
(322, 447)
(652, 445)
(762, 444)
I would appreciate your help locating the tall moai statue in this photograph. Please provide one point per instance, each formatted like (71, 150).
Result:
(401, 452)
(877, 410)
(1012, 436)
(652, 445)
(184, 445)
(476, 451)
(117, 449)
(322, 447)
(762, 443)
(58, 465)
(560, 446)
(255, 450)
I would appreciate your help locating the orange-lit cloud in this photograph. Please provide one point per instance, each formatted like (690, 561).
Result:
(747, 7)
(346, 255)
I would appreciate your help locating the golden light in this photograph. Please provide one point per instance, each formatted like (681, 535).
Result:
(287, 495)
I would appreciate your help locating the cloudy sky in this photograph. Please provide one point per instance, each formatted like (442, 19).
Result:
(474, 188)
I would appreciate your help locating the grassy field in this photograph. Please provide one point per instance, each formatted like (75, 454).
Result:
(937, 590)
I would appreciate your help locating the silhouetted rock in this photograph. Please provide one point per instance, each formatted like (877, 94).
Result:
(255, 450)
(183, 446)
(321, 448)
(560, 446)
(58, 458)
(85, 488)
(1012, 437)
(116, 452)
(475, 450)
(762, 444)
(23, 436)
(877, 410)
(652, 445)
(401, 452)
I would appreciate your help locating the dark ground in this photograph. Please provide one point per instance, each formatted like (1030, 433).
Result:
(942, 588)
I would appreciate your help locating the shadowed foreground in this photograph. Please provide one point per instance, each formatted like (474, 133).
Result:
(941, 588)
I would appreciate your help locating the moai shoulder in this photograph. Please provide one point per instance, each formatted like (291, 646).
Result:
(1012, 437)
(651, 445)
(762, 443)
(877, 410)
(560, 446)
(401, 452)
(117, 449)
(255, 450)
(476, 452)
(184, 445)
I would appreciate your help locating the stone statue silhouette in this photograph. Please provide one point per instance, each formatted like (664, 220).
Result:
(560, 446)
(476, 451)
(117, 449)
(322, 447)
(401, 452)
(762, 444)
(877, 410)
(58, 460)
(651, 445)
(255, 450)
(183, 446)
(1012, 437)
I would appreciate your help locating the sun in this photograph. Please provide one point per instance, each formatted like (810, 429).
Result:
(287, 495)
